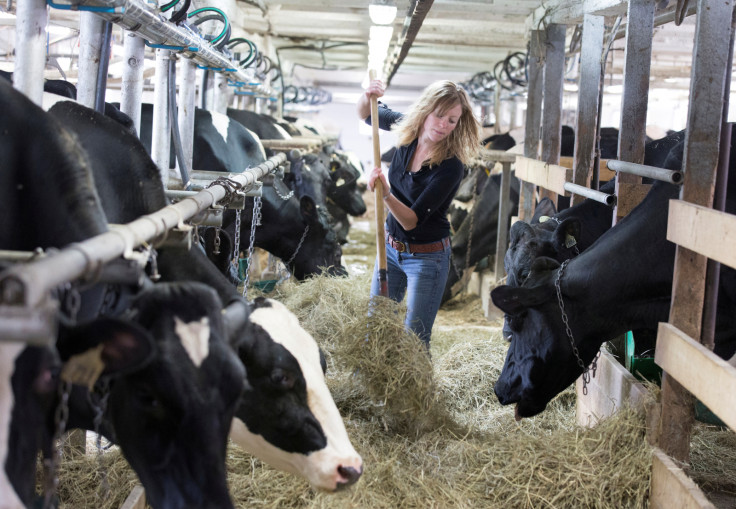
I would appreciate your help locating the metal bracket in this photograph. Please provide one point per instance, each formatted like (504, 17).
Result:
(34, 326)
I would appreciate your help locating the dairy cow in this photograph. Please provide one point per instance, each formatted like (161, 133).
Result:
(286, 415)
(616, 285)
(482, 236)
(44, 164)
(221, 144)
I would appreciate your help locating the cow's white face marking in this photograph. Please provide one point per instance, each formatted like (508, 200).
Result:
(8, 353)
(320, 468)
(195, 338)
(221, 123)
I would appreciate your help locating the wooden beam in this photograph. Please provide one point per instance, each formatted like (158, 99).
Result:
(629, 196)
(671, 487)
(612, 388)
(703, 230)
(707, 376)
(548, 176)
(604, 172)
(136, 499)
(535, 69)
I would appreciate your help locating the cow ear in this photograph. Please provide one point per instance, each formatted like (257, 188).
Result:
(568, 232)
(545, 207)
(309, 209)
(126, 346)
(520, 231)
(514, 301)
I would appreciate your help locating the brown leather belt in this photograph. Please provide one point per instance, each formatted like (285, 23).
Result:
(431, 247)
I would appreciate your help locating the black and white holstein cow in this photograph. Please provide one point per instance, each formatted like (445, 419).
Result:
(286, 415)
(293, 229)
(622, 282)
(159, 377)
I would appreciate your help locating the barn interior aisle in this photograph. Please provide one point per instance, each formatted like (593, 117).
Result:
(431, 433)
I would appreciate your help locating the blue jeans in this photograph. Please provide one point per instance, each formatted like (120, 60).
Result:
(421, 277)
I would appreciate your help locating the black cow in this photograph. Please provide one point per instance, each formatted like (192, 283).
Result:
(622, 282)
(221, 144)
(502, 141)
(45, 165)
(482, 237)
(275, 419)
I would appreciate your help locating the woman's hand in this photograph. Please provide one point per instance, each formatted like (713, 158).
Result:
(377, 174)
(375, 88)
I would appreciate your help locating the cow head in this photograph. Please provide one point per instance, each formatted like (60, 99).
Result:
(287, 416)
(320, 247)
(343, 187)
(540, 362)
(171, 418)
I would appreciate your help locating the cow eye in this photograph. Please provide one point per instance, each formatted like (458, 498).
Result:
(282, 379)
(147, 398)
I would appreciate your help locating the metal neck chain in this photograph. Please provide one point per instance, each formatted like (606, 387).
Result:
(286, 274)
(594, 365)
(103, 492)
(231, 188)
(216, 241)
(51, 465)
(255, 222)
(278, 193)
(236, 247)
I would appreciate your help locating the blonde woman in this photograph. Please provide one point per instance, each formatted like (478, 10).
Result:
(437, 137)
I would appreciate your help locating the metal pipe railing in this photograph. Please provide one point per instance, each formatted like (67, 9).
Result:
(607, 199)
(137, 17)
(29, 284)
(642, 170)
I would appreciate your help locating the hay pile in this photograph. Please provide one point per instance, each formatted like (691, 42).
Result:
(431, 433)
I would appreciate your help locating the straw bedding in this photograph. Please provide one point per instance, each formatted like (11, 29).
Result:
(430, 430)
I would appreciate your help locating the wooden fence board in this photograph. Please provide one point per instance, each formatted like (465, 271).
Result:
(703, 230)
(707, 376)
(548, 176)
(671, 487)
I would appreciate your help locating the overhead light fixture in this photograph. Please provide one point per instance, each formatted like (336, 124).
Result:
(382, 12)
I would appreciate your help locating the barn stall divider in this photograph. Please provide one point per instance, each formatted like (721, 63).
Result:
(699, 231)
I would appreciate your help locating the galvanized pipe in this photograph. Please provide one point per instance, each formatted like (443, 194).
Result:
(607, 199)
(642, 170)
(91, 35)
(132, 87)
(161, 130)
(30, 48)
(29, 284)
(139, 18)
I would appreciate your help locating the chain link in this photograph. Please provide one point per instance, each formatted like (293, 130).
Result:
(255, 222)
(285, 273)
(283, 197)
(51, 465)
(594, 365)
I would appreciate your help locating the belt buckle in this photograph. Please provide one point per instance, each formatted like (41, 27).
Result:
(401, 247)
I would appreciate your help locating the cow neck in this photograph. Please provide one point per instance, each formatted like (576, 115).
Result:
(626, 276)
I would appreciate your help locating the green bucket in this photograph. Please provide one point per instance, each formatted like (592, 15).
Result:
(643, 368)
(265, 285)
(242, 268)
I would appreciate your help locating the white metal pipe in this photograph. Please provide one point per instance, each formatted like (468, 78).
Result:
(607, 199)
(187, 94)
(221, 91)
(91, 29)
(642, 170)
(138, 17)
(30, 48)
(29, 284)
(160, 128)
(131, 92)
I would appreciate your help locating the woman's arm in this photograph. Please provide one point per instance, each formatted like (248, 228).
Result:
(403, 214)
(375, 88)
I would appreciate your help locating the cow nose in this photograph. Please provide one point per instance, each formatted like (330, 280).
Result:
(350, 474)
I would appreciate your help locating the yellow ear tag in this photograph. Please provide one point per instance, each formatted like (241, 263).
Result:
(84, 368)
(543, 219)
(569, 240)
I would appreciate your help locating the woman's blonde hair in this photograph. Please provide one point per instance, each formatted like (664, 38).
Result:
(463, 142)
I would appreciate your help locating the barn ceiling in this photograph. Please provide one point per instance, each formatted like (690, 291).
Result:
(323, 43)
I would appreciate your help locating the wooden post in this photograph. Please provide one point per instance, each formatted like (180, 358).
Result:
(533, 118)
(554, 73)
(637, 65)
(700, 160)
